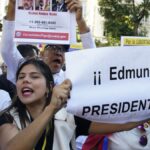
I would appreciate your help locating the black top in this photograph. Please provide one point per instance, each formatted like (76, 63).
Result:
(7, 85)
(2, 120)
(5, 119)
(48, 134)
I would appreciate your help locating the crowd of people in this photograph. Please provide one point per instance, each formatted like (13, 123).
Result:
(34, 114)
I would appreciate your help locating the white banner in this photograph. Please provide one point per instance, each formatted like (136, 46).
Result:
(110, 85)
(38, 24)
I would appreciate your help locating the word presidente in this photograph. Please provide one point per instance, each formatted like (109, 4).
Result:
(117, 108)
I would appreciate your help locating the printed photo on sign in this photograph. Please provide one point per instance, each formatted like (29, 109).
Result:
(43, 5)
(44, 21)
(59, 5)
(26, 4)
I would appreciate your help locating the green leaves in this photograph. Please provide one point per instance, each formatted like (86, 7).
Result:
(123, 17)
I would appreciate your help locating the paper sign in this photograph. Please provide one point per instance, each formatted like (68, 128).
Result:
(135, 41)
(110, 85)
(38, 24)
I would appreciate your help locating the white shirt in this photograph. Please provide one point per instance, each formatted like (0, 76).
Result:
(5, 100)
(59, 77)
(12, 57)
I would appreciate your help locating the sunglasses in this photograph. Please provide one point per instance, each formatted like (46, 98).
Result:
(143, 139)
(55, 48)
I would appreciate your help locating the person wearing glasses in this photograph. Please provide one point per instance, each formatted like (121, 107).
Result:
(59, 58)
(10, 54)
(32, 121)
(3, 68)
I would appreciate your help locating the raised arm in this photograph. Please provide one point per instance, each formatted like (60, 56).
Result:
(86, 36)
(10, 54)
(26, 139)
(105, 128)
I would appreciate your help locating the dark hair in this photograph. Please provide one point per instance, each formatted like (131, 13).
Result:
(27, 50)
(17, 104)
(64, 48)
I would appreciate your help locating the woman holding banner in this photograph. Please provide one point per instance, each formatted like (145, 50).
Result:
(31, 122)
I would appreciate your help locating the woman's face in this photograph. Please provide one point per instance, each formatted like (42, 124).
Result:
(31, 85)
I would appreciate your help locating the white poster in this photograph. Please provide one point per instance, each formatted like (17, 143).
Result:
(110, 85)
(42, 21)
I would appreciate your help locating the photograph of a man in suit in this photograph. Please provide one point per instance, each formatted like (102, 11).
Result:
(43, 5)
(59, 5)
(26, 5)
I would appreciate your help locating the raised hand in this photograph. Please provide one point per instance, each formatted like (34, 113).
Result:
(10, 15)
(12, 1)
(75, 6)
(60, 95)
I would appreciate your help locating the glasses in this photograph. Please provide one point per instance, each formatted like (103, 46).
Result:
(55, 48)
(143, 139)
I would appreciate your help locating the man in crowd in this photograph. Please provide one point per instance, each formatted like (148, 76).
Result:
(5, 84)
(5, 99)
(3, 68)
(59, 5)
(54, 56)
(43, 5)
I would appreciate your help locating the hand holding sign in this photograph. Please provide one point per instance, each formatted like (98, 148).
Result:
(11, 10)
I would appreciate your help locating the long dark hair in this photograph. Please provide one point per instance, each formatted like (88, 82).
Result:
(20, 108)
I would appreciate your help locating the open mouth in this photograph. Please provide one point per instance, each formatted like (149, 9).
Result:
(58, 61)
(26, 91)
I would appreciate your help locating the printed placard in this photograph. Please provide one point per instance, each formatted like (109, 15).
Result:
(41, 21)
(135, 41)
(110, 85)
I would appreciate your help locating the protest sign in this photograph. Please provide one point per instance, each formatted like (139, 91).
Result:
(37, 25)
(135, 41)
(110, 85)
